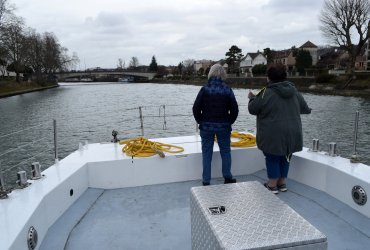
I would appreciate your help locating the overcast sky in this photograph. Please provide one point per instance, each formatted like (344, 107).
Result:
(101, 31)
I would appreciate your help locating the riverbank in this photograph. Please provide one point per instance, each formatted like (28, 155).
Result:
(11, 88)
(357, 88)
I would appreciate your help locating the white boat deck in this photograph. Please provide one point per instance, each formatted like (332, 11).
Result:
(158, 217)
(98, 198)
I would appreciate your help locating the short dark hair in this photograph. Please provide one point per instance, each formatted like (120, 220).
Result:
(276, 72)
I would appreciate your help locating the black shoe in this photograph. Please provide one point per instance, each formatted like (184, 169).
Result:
(205, 183)
(273, 190)
(282, 188)
(229, 180)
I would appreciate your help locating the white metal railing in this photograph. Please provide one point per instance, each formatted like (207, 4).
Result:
(20, 165)
(136, 113)
(355, 157)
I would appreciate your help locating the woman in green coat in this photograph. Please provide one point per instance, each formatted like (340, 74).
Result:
(278, 107)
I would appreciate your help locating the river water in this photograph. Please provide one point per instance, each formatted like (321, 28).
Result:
(89, 112)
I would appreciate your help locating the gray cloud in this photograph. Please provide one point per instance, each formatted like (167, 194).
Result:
(103, 31)
(293, 6)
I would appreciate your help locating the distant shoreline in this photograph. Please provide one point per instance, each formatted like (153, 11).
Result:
(306, 86)
(314, 88)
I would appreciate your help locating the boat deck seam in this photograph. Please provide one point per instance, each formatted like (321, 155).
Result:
(82, 217)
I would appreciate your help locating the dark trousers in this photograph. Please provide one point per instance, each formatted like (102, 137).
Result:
(277, 166)
(223, 140)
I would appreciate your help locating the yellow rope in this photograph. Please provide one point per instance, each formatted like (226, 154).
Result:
(246, 140)
(142, 147)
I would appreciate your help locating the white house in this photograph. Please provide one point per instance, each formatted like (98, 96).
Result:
(5, 72)
(250, 60)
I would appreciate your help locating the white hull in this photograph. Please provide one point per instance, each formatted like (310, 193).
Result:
(104, 166)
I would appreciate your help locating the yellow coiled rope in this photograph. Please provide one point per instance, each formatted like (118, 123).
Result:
(246, 140)
(142, 147)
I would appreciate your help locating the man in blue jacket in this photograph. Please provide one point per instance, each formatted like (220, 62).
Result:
(215, 109)
(278, 108)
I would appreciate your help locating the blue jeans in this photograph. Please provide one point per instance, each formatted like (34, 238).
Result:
(223, 140)
(277, 166)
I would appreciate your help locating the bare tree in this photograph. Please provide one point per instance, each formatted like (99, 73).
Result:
(66, 62)
(6, 12)
(75, 60)
(188, 67)
(45, 56)
(5, 9)
(12, 39)
(35, 53)
(55, 57)
(121, 64)
(3, 56)
(134, 62)
(24, 50)
(52, 52)
(346, 23)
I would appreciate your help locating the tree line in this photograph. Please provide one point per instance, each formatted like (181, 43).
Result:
(344, 23)
(24, 50)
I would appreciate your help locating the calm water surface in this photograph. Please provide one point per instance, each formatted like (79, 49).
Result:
(91, 112)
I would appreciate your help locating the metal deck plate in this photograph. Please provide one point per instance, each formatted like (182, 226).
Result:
(254, 218)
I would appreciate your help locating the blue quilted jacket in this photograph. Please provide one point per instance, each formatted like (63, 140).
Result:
(215, 107)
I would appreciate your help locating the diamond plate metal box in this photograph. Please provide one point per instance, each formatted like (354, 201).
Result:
(247, 216)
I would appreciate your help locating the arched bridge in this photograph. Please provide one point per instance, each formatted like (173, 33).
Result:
(105, 75)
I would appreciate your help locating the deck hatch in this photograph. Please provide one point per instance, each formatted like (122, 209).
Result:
(249, 222)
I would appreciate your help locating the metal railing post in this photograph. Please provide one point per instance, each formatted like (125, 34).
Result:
(164, 118)
(55, 141)
(354, 157)
(141, 121)
(2, 182)
(3, 191)
(315, 145)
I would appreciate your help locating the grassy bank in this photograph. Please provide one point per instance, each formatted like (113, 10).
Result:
(11, 87)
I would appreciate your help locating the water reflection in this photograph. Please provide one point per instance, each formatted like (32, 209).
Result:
(91, 112)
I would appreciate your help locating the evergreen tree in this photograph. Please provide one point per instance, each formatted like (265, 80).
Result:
(153, 65)
(259, 69)
(303, 60)
(180, 67)
(233, 57)
(269, 54)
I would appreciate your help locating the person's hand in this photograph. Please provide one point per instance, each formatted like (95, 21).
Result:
(250, 94)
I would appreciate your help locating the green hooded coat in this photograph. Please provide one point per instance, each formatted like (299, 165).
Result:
(279, 128)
